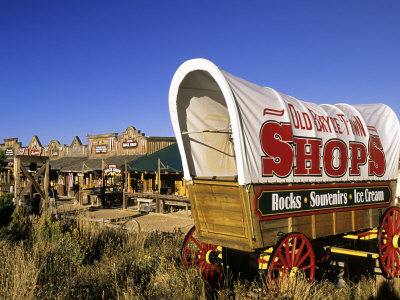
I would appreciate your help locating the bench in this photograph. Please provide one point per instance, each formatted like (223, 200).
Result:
(144, 200)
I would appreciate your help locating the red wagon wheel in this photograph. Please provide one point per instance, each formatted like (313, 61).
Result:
(388, 242)
(203, 256)
(292, 254)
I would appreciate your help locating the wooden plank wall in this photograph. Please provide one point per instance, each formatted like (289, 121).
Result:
(156, 145)
(224, 214)
(220, 215)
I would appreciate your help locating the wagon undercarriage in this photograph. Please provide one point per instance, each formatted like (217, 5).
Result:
(295, 253)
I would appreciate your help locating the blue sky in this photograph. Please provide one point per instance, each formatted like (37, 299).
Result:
(74, 67)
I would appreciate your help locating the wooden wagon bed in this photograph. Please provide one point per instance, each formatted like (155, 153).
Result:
(225, 214)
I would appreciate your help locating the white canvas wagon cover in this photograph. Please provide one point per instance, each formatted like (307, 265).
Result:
(228, 127)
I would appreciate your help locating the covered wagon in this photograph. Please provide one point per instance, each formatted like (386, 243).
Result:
(271, 176)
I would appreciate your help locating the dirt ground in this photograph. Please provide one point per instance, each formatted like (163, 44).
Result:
(130, 219)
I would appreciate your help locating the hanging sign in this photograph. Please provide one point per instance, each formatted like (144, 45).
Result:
(112, 170)
(100, 149)
(36, 152)
(281, 202)
(129, 144)
(9, 152)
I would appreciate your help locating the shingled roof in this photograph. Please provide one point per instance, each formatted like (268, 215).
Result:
(77, 164)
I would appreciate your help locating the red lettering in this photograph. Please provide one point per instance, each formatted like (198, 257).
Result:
(359, 124)
(344, 119)
(295, 116)
(358, 157)
(321, 120)
(326, 120)
(377, 162)
(275, 139)
(302, 121)
(357, 127)
(334, 125)
(317, 122)
(303, 156)
(330, 147)
(307, 120)
(337, 125)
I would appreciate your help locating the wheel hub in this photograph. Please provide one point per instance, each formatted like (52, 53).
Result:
(208, 256)
(212, 257)
(395, 241)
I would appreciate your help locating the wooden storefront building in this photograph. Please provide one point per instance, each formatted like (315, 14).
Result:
(160, 172)
(78, 166)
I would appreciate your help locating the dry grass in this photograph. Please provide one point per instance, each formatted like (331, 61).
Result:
(80, 261)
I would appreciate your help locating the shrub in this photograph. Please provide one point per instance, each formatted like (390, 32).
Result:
(6, 208)
(20, 227)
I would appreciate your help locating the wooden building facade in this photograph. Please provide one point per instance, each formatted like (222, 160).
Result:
(78, 166)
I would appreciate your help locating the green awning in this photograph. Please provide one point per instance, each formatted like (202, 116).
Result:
(169, 157)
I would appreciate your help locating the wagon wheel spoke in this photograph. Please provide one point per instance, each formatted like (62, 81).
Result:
(192, 262)
(204, 247)
(388, 242)
(211, 271)
(293, 252)
(197, 243)
(385, 227)
(384, 236)
(279, 278)
(389, 261)
(193, 251)
(299, 252)
(287, 252)
(200, 265)
(292, 259)
(283, 260)
(306, 267)
(392, 262)
(384, 245)
(386, 253)
(217, 269)
(206, 269)
(391, 221)
(304, 258)
(397, 229)
(396, 256)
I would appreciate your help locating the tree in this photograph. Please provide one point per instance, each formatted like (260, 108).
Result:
(3, 162)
